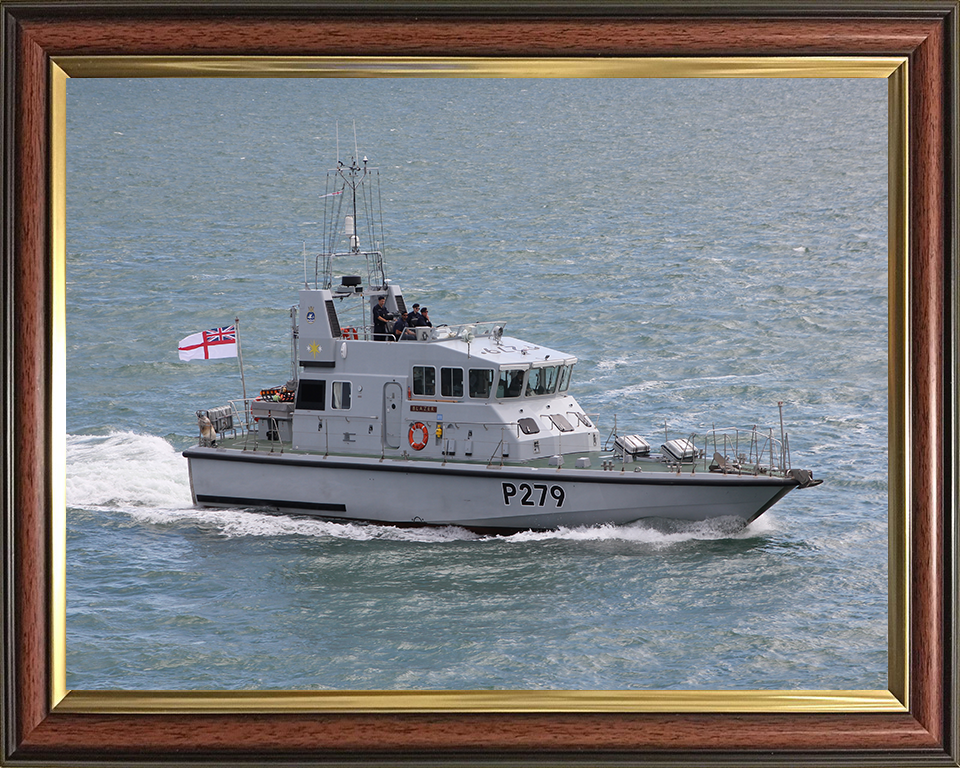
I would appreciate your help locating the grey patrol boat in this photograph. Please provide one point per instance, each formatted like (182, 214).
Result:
(458, 425)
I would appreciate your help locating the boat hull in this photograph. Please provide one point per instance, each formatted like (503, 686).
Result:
(497, 499)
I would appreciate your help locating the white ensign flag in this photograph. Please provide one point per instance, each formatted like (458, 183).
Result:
(209, 345)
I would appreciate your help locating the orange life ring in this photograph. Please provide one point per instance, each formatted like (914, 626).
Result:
(418, 445)
(349, 333)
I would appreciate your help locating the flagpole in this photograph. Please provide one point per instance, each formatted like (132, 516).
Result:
(243, 381)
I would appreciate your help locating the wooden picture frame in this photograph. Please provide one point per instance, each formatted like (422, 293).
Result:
(916, 720)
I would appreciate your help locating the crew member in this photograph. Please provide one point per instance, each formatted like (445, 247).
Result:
(400, 329)
(413, 319)
(380, 319)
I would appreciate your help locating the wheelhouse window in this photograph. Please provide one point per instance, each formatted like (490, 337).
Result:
(340, 395)
(565, 378)
(312, 395)
(481, 382)
(510, 384)
(542, 381)
(451, 382)
(424, 380)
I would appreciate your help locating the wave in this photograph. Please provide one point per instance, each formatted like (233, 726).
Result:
(237, 523)
(125, 469)
(657, 534)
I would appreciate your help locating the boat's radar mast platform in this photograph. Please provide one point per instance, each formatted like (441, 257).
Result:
(351, 216)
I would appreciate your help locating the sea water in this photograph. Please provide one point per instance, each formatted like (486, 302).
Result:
(706, 248)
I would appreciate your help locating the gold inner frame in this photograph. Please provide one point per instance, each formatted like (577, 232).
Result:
(895, 699)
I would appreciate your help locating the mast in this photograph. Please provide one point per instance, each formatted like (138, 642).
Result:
(350, 186)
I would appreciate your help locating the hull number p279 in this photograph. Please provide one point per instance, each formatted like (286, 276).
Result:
(533, 494)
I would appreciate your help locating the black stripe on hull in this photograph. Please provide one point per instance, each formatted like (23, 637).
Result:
(329, 512)
(237, 501)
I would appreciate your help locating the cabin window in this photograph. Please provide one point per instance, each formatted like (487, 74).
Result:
(582, 418)
(340, 395)
(312, 394)
(451, 382)
(565, 378)
(528, 426)
(425, 380)
(560, 422)
(542, 381)
(510, 384)
(481, 382)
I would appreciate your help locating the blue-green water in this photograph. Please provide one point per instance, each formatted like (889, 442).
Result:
(706, 249)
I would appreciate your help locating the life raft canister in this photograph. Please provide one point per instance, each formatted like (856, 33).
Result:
(418, 430)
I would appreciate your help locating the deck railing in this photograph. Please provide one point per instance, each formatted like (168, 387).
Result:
(744, 451)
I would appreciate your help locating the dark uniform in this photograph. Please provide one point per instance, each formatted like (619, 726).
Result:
(401, 331)
(380, 320)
